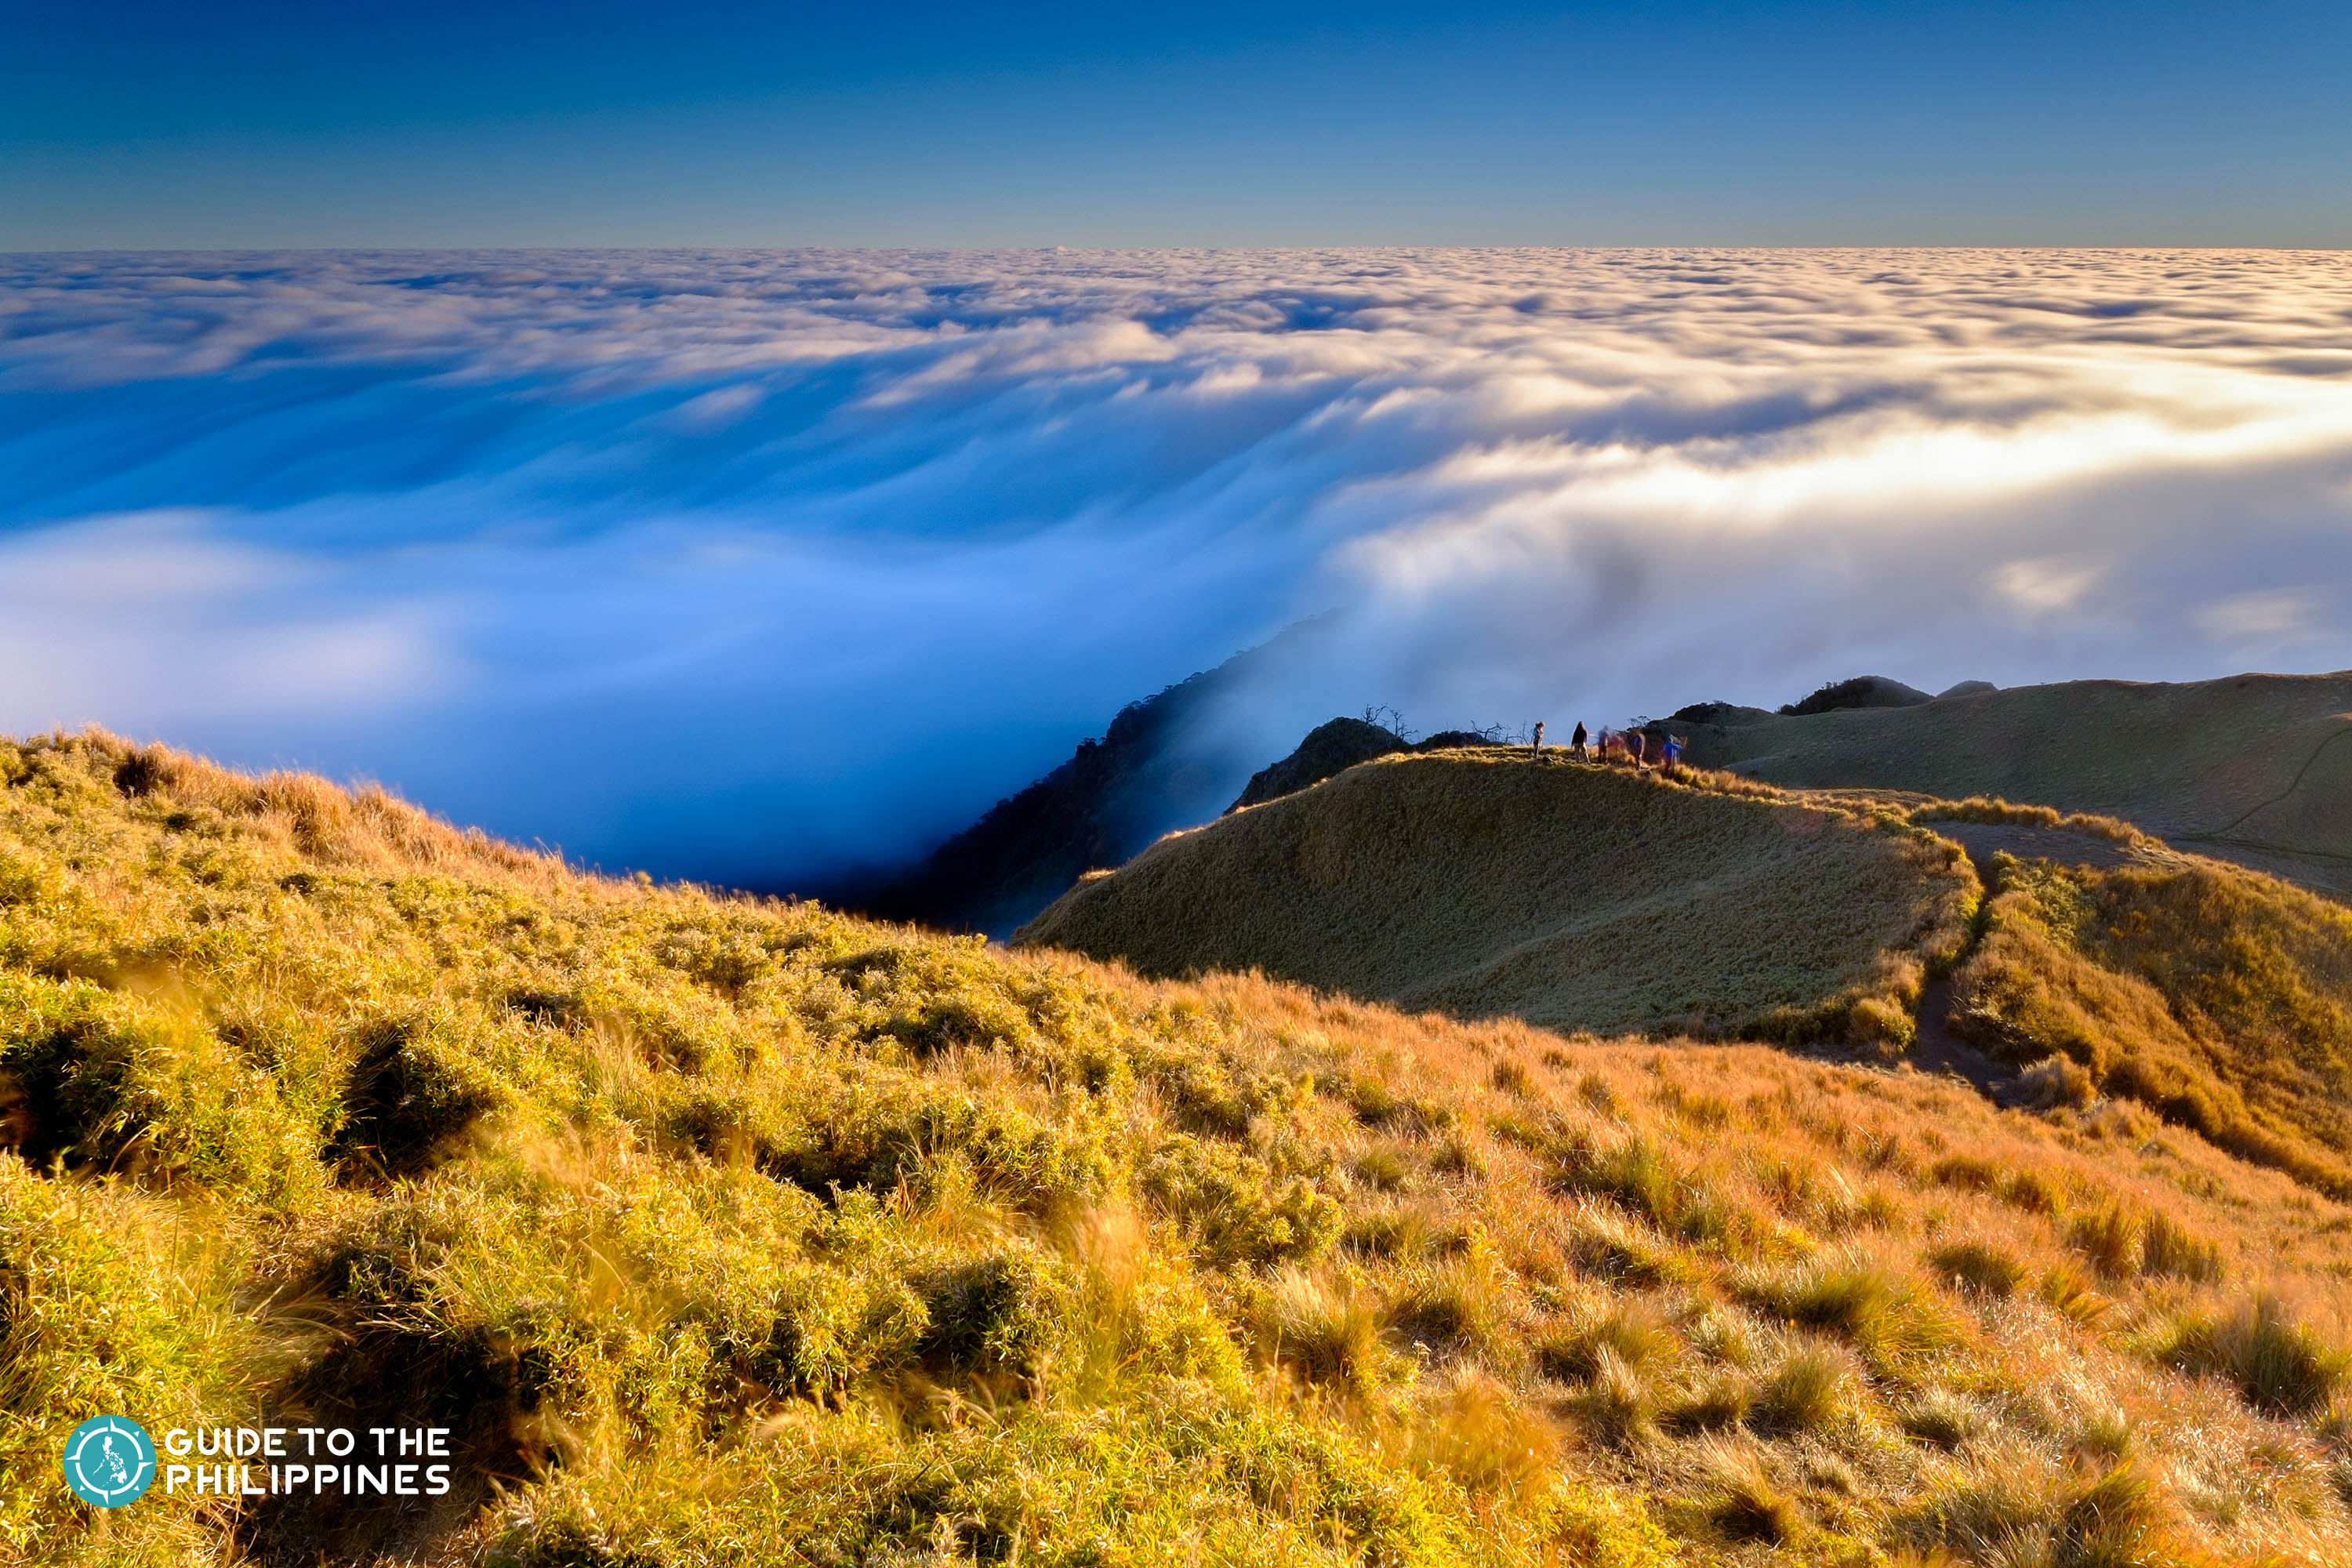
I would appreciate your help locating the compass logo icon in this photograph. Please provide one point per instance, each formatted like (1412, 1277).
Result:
(110, 1461)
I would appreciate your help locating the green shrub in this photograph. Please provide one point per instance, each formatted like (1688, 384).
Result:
(997, 1313)
(408, 1102)
(825, 1329)
(71, 1052)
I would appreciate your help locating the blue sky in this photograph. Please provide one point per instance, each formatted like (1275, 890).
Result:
(719, 123)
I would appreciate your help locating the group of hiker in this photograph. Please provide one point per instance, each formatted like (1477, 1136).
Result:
(1633, 746)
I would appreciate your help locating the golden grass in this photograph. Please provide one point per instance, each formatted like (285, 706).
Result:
(2219, 998)
(741, 1233)
(1496, 884)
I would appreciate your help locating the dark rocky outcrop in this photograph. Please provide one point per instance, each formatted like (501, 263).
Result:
(1329, 748)
(1718, 713)
(1114, 797)
(1862, 692)
(1160, 765)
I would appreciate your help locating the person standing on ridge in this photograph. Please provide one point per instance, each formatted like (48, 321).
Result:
(1539, 737)
(1576, 742)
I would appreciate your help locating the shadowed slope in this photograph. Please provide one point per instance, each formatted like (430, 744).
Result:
(1163, 761)
(2255, 768)
(1112, 797)
(1495, 884)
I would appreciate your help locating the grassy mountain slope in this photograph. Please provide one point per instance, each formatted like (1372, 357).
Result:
(2254, 768)
(1495, 883)
(2219, 998)
(728, 1232)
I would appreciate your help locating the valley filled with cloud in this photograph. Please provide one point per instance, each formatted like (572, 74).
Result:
(760, 567)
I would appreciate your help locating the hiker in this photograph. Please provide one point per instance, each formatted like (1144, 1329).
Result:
(1633, 746)
(1612, 744)
(1674, 751)
(1539, 737)
(1576, 746)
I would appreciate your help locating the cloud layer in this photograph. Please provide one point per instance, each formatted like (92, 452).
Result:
(757, 566)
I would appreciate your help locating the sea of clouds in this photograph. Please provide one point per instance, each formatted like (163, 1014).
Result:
(763, 566)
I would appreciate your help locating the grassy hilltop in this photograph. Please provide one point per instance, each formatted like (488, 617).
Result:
(1490, 883)
(729, 1232)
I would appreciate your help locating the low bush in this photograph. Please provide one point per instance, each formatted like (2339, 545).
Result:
(407, 1103)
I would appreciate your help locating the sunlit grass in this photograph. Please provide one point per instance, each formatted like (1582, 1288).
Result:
(732, 1232)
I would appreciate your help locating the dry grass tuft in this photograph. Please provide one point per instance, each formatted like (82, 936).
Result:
(2278, 1362)
(1979, 1267)
(1745, 1504)
(1813, 1390)
(1330, 1336)
(1630, 1329)
(1878, 1307)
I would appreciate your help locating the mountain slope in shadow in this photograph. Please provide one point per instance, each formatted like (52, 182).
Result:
(2251, 768)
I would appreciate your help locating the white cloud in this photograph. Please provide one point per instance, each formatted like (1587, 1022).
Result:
(744, 563)
(152, 623)
(2271, 615)
(2044, 587)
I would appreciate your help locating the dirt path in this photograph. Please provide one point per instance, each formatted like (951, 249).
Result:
(1938, 1049)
